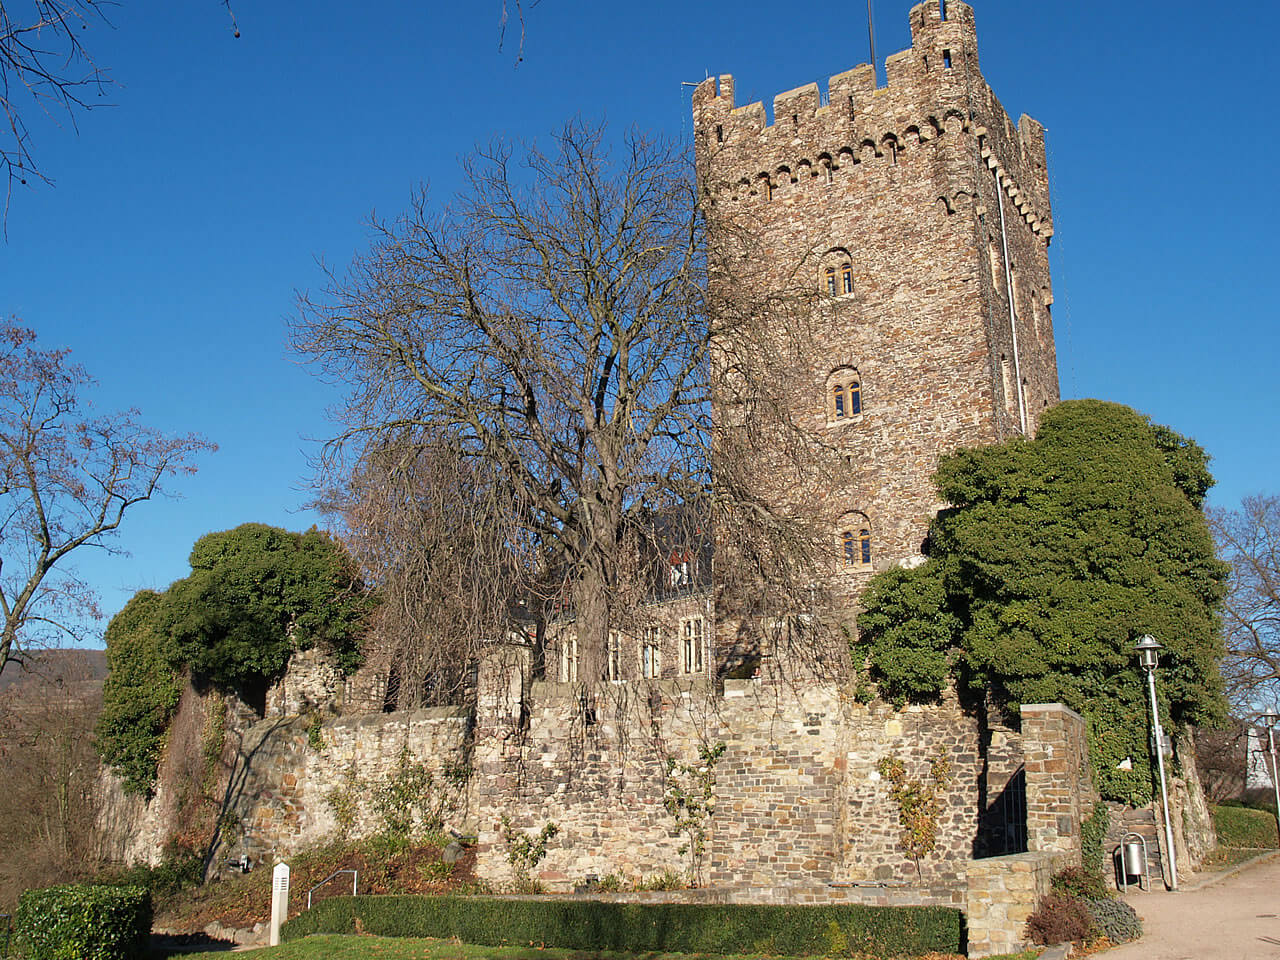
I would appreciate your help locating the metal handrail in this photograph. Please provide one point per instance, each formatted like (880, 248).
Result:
(337, 873)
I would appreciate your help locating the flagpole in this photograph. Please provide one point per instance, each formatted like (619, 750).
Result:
(871, 36)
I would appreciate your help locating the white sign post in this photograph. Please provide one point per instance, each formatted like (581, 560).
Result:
(279, 901)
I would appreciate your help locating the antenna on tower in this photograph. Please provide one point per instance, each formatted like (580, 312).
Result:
(871, 35)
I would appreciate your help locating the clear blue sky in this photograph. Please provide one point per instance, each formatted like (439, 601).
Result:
(185, 216)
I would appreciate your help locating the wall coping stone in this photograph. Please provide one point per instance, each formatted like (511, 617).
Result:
(1050, 708)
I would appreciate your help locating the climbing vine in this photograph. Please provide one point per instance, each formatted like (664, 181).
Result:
(919, 804)
(690, 798)
(524, 852)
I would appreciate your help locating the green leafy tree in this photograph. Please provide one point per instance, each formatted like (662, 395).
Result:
(140, 694)
(255, 595)
(1056, 554)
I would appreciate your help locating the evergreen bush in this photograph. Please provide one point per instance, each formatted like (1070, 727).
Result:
(84, 922)
(1116, 919)
(642, 928)
(1242, 827)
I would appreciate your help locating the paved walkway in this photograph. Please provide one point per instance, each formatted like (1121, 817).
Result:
(1227, 916)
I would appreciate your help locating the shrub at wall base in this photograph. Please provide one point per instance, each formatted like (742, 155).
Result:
(642, 928)
(84, 922)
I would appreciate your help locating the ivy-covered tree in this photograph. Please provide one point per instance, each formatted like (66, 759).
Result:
(140, 694)
(1056, 554)
(255, 595)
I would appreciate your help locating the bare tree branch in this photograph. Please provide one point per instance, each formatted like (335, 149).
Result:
(1249, 539)
(67, 478)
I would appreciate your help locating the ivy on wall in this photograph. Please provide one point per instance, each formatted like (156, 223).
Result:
(1056, 554)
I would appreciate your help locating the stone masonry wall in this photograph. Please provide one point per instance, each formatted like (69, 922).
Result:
(1060, 794)
(1003, 891)
(798, 796)
(280, 783)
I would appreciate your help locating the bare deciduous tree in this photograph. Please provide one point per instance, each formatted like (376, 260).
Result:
(427, 527)
(67, 478)
(550, 324)
(1249, 540)
(43, 67)
(536, 363)
(48, 807)
(46, 69)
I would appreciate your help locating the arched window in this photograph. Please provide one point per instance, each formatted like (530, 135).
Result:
(844, 395)
(855, 542)
(836, 273)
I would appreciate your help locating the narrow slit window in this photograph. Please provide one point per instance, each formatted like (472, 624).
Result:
(942, 9)
(719, 133)
(946, 59)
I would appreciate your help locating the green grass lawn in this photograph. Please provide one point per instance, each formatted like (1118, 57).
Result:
(331, 947)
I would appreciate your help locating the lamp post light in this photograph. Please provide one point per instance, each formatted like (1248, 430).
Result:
(1149, 655)
(1269, 718)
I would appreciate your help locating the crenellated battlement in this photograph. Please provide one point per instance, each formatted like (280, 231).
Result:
(935, 101)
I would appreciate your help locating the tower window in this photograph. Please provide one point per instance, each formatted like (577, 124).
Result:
(942, 9)
(719, 133)
(854, 542)
(845, 394)
(946, 59)
(856, 547)
(836, 273)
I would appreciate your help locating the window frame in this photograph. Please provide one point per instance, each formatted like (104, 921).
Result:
(569, 659)
(693, 643)
(651, 653)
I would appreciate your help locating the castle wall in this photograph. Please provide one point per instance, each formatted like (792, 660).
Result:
(281, 788)
(798, 795)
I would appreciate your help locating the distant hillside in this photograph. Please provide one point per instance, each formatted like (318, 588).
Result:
(61, 667)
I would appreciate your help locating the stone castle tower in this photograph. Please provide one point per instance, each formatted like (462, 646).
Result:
(920, 214)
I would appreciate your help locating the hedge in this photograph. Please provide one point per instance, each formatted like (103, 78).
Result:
(641, 928)
(83, 922)
(1241, 827)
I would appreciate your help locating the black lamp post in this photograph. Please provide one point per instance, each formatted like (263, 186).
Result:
(1149, 656)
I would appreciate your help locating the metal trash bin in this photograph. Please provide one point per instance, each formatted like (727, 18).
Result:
(1131, 859)
(1135, 858)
